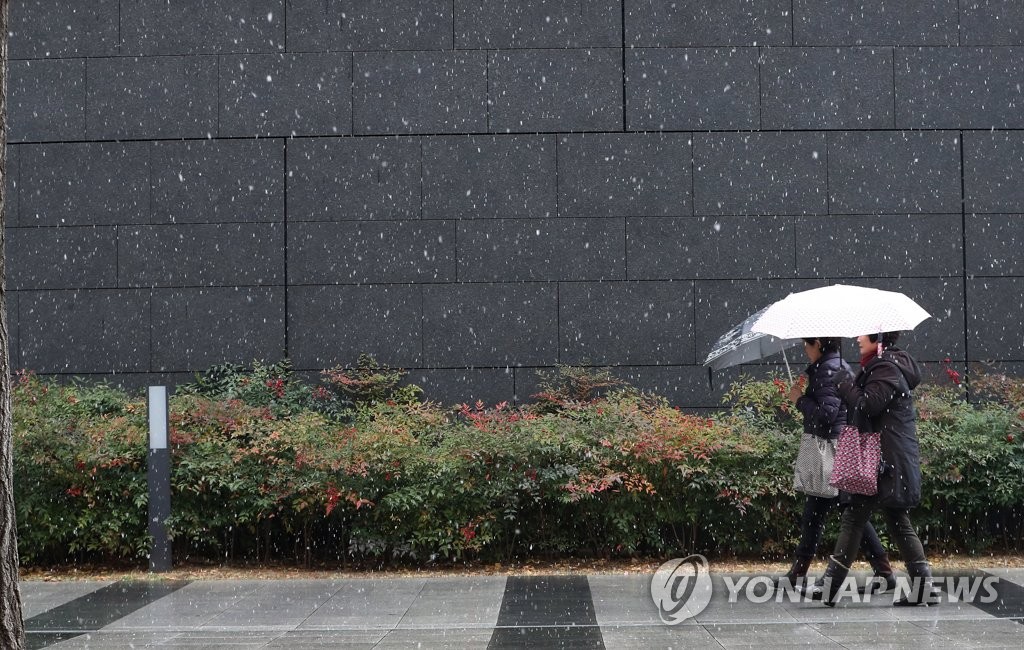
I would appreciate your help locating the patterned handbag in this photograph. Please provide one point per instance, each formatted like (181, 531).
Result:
(813, 468)
(858, 456)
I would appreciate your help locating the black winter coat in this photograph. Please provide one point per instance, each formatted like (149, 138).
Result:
(880, 399)
(823, 410)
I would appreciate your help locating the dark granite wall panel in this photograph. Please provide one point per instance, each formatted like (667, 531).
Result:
(201, 327)
(991, 22)
(199, 181)
(682, 23)
(85, 184)
(482, 325)
(894, 172)
(993, 325)
(285, 94)
(13, 326)
(332, 325)
(466, 386)
(419, 92)
(46, 100)
(60, 29)
(994, 171)
(606, 175)
(692, 88)
(12, 184)
(710, 247)
(467, 177)
(152, 27)
(152, 97)
(190, 255)
(875, 22)
(502, 25)
(959, 87)
(322, 25)
(921, 245)
(522, 250)
(612, 323)
(364, 178)
(687, 385)
(994, 245)
(827, 88)
(554, 90)
(759, 173)
(84, 331)
(367, 252)
(61, 258)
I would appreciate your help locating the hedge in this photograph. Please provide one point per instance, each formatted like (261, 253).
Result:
(359, 469)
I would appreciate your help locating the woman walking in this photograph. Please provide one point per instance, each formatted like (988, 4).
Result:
(879, 399)
(824, 414)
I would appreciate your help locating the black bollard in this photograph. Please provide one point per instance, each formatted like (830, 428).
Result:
(159, 480)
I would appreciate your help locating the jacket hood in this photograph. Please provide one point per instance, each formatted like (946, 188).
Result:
(911, 371)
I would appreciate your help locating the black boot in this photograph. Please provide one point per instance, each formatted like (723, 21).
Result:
(827, 587)
(796, 574)
(922, 587)
(884, 579)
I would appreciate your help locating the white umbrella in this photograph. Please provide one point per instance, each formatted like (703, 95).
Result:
(839, 310)
(740, 345)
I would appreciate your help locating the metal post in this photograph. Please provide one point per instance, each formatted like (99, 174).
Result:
(159, 480)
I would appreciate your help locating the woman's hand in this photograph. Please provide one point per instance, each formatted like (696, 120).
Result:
(795, 392)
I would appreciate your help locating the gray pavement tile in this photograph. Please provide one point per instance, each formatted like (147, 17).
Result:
(630, 637)
(281, 605)
(194, 605)
(456, 603)
(439, 639)
(113, 640)
(349, 639)
(1016, 576)
(946, 611)
(986, 626)
(38, 597)
(776, 635)
(622, 600)
(745, 612)
(366, 604)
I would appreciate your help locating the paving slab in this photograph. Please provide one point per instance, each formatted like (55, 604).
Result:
(498, 612)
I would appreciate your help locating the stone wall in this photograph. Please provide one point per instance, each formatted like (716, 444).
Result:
(474, 190)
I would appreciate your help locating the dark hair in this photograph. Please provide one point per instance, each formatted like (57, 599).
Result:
(828, 344)
(888, 338)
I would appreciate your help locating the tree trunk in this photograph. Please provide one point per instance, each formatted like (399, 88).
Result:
(12, 627)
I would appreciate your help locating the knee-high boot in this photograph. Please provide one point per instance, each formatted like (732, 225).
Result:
(884, 578)
(796, 574)
(827, 587)
(922, 587)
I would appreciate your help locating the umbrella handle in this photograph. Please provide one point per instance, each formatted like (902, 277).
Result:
(788, 371)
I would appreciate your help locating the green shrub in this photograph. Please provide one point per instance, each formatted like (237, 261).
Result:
(263, 471)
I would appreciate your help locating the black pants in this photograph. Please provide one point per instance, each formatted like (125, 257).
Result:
(851, 529)
(813, 522)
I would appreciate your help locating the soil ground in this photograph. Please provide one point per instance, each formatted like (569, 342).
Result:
(557, 567)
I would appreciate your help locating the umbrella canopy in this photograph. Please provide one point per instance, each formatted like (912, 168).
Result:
(740, 345)
(839, 310)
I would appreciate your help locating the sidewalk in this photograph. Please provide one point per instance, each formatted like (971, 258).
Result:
(584, 611)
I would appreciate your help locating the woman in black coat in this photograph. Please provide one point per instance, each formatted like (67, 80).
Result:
(824, 414)
(880, 399)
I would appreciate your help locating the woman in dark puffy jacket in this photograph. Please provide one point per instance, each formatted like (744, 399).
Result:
(824, 415)
(879, 399)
